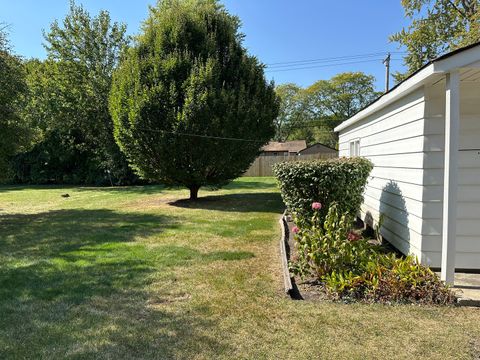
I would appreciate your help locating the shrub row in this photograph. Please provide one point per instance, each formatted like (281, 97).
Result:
(341, 180)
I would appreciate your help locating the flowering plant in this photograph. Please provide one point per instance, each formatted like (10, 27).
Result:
(328, 246)
(350, 267)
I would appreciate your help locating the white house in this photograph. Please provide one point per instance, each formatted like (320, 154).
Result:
(423, 137)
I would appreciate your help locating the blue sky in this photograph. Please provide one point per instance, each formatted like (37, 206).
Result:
(276, 31)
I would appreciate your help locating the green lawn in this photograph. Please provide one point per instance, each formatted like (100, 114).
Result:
(135, 273)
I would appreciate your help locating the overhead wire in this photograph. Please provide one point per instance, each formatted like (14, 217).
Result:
(201, 136)
(227, 138)
(331, 59)
(268, 70)
(292, 66)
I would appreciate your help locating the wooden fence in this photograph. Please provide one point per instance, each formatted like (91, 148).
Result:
(262, 165)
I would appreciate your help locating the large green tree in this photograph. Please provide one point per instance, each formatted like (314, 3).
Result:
(291, 114)
(68, 100)
(437, 26)
(333, 101)
(312, 113)
(190, 106)
(14, 132)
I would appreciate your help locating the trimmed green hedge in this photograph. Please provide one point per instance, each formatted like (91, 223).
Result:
(340, 180)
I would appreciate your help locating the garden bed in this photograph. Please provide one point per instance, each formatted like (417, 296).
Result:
(310, 288)
(334, 258)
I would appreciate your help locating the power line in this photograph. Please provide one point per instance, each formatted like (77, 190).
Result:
(202, 136)
(304, 126)
(337, 58)
(325, 65)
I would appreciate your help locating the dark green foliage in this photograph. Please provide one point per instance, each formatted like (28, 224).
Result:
(56, 160)
(349, 267)
(187, 79)
(337, 180)
(14, 132)
(68, 103)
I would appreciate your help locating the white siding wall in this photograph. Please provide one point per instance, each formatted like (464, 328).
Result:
(468, 214)
(393, 139)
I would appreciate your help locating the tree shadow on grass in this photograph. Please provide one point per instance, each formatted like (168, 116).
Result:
(76, 283)
(55, 231)
(133, 189)
(20, 187)
(244, 202)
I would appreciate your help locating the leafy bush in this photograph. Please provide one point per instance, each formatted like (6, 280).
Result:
(349, 267)
(335, 180)
(323, 250)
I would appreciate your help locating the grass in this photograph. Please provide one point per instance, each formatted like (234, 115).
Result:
(135, 272)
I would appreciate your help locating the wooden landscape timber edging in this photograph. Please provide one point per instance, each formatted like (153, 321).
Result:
(287, 281)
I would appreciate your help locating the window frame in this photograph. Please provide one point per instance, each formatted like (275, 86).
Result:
(354, 147)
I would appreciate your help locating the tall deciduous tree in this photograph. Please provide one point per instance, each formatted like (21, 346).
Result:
(312, 113)
(331, 102)
(437, 26)
(342, 96)
(292, 113)
(69, 100)
(13, 129)
(190, 106)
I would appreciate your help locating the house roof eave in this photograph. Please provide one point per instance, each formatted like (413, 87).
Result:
(456, 59)
(399, 91)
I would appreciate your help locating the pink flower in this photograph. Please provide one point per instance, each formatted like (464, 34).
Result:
(316, 206)
(295, 230)
(353, 236)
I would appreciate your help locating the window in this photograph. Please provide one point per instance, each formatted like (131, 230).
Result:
(355, 147)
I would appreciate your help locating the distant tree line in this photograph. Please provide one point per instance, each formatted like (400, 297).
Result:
(182, 100)
(182, 103)
(66, 105)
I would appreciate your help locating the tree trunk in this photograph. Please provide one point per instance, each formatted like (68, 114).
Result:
(194, 192)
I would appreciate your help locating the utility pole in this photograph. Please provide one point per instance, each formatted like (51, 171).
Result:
(387, 72)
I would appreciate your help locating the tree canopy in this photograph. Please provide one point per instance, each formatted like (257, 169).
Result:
(437, 26)
(68, 101)
(312, 113)
(190, 106)
(14, 131)
(291, 114)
